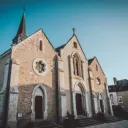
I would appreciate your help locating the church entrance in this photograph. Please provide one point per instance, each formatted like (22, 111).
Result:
(102, 106)
(39, 103)
(38, 107)
(79, 104)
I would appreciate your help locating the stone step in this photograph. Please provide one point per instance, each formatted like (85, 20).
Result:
(83, 121)
(36, 124)
(43, 124)
(87, 122)
(90, 124)
(110, 119)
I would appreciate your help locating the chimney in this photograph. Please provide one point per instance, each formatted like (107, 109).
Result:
(115, 81)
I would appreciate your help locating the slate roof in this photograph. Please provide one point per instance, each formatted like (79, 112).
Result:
(5, 53)
(62, 46)
(90, 60)
(58, 48)
(122, 85)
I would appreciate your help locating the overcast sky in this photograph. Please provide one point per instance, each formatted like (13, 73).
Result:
(101, 27)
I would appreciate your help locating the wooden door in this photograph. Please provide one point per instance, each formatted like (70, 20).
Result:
(38, 107)
(79, 104)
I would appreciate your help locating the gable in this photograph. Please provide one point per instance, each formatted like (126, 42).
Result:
(27, 55)
(70, 44)
(34, 40)
(93, 62)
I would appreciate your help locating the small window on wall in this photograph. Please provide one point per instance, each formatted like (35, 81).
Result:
(75, 44)
(111, 97)
(96, 68)
(120, 100)
(41, 45)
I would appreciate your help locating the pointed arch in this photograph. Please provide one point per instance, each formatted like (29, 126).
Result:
(79, 98)
(77, 64)
(44, 94)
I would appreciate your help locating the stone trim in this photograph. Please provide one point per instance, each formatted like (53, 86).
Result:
(83, 93)
(34, 67)
(33, 101)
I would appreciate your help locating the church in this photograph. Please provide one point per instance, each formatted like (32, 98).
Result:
(38, 81)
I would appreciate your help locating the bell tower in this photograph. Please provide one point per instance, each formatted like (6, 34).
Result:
(21, 33)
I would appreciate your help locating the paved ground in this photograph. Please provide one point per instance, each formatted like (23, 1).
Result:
(120, 124)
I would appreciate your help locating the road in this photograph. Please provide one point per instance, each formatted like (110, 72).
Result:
(120, 124)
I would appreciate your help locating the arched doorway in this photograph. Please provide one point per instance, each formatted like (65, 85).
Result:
(79, 99)
(79, 104)
(39, 103)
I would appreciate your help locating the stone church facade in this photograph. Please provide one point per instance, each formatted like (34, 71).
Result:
(38, 81)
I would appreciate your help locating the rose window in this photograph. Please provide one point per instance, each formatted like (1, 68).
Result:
(39, 66)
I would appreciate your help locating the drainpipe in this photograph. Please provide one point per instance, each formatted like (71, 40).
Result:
(7, 96)
(92, 100)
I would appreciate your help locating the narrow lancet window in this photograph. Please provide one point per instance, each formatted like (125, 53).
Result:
(77, 64)
(41, 45)
(75, 44)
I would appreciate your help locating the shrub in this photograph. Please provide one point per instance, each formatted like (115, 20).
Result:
(100, 116)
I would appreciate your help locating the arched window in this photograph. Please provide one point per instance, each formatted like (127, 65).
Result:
(77, 66)
(96, 68)
(75, 44)
(82, 73)
(41, 45)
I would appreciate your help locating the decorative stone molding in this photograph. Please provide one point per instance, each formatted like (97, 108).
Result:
(61, 70)
(62, 92)
(15, 62)
(78, 77)
(13, 102)
(82, 91)
(40, 67)
(43, 46)
(95, 95)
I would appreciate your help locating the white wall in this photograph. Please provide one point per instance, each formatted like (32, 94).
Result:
(114, 100)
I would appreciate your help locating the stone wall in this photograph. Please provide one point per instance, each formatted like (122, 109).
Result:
(124, 95)
(3, 62)
(2, 101)
(12, 111)
(3, 83)
(25, 97)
